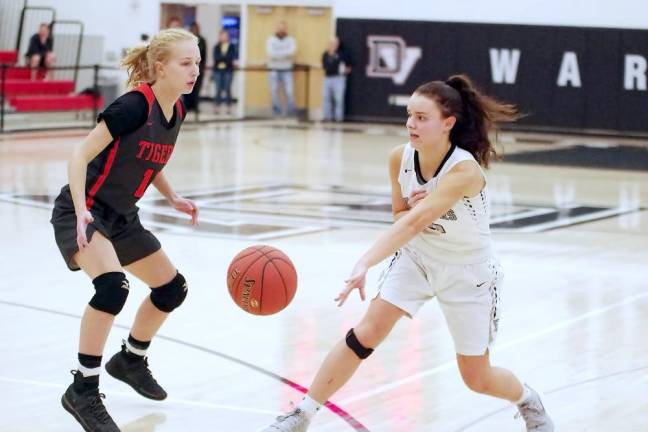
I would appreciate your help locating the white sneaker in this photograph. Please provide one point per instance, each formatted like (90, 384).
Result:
(294, 421)
(534, 414)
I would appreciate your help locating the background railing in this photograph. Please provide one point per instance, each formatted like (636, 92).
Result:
(250, 95)
(68, 41)
(10, 22)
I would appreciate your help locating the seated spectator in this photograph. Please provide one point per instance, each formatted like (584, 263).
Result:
(40, 54)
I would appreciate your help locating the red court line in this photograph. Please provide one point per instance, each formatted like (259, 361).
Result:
(348, 418)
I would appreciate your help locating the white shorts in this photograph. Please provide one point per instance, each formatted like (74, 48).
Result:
(468, 295)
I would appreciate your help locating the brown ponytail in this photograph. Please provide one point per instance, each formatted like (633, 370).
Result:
(140, 60)
(475, 112)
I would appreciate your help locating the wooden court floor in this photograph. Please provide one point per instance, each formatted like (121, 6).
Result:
(573, 243)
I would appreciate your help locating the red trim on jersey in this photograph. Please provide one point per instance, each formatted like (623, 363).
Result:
(139, 193)
(102, 178)
(147, 91)
(179, 108)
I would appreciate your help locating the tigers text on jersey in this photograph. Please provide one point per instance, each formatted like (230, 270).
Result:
(462, 235)
(121, 173)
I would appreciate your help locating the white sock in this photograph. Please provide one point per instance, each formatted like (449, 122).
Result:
(139, 351)
(310, 406)
(525, 395)
(87, 372)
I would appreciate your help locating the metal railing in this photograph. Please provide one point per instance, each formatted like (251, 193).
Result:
(9, 22)
(67, 54)
(100, 84)
(92, 89)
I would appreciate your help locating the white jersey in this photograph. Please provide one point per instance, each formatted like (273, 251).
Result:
(462, 235)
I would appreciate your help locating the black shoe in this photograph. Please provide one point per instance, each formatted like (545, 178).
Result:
(83, 400)
(135, 373)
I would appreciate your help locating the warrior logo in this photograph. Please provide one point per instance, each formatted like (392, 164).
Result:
(389, 57)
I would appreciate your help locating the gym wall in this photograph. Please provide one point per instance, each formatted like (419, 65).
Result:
(567, 78)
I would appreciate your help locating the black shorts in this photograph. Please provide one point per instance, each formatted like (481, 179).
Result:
(43, 58)
(130, 239)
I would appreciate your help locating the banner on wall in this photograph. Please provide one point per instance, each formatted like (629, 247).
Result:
(562, 77)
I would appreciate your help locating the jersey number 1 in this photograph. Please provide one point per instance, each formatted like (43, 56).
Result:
(145, 181)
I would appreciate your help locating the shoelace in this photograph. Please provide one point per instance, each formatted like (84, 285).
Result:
(530, 410)
(148, 371)
(294, 412)
(97, 407)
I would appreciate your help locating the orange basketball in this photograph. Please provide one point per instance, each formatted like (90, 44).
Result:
(261, 280)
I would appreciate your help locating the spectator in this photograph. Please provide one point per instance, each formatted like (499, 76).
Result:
(281, 49)
(191, 100)
(225, 60)
(40, 54)
(337, 66)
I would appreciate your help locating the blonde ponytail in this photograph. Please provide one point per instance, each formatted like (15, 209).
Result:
(140, 60)
(136, 64)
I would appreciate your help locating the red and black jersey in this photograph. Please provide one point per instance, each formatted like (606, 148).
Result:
(121, 173)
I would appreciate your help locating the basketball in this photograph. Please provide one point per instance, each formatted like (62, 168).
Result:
(262, 280)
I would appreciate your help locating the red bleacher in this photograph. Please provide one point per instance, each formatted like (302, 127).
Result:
(24, 94)
(9, 57)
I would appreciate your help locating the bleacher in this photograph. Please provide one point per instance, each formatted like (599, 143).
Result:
(22, 91)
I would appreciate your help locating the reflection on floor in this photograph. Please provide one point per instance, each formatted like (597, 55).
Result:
(575, 302)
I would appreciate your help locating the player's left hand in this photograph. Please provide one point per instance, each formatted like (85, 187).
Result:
(187, 206)
(356, 280)
(415, 198)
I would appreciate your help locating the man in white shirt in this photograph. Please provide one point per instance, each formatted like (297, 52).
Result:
(281, 49)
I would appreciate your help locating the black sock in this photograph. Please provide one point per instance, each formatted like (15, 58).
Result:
(89, 361)
(90, 380)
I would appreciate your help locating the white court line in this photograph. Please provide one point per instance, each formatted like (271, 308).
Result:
(593, 217)
(521, 215)
(498, 347)
(130, 395)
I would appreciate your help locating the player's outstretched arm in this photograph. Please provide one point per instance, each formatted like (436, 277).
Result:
(464, 177)
(454, 186)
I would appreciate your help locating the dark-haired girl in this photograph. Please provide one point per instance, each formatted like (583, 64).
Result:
(440, 247)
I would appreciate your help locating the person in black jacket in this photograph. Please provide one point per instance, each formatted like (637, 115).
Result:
(191, 100)
(337, 65)
(225, 60)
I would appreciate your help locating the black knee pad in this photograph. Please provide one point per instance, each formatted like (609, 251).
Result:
(352, 342)
(111, 292)
(170, 296)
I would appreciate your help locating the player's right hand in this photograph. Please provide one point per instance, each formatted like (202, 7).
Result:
(83, 220)
(356, 280)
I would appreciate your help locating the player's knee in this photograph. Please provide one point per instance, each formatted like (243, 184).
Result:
(171, 295)
(474, 378)
(111, 292)
(356, 346)
(50, 59)
(371, 332)
(476, 383)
